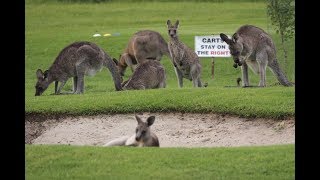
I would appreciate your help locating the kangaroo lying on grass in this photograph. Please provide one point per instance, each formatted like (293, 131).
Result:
(186, 62)
(253, 47)
(143, 45)
(142, 137)
(149, 74)
(76, 60)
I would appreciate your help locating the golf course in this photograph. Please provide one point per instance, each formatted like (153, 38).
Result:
(221, 131)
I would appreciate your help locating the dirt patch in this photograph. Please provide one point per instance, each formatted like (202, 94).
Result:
(172, 129)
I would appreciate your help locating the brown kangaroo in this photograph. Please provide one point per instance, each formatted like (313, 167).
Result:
(251, 46)
(142, 45)
(142, 137)
(186, 62)
(76, 60)
(149, 74)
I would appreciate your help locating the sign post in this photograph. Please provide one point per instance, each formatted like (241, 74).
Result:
(212, 68)
(211, 46)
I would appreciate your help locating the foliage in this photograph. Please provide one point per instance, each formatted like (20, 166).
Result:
(282, 15)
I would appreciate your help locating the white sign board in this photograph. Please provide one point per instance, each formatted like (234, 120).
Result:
(211, 46)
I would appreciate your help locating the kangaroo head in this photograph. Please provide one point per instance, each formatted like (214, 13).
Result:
(143, 128)
(42, 83)
(235, 46)
(121, 64)
(172, 29)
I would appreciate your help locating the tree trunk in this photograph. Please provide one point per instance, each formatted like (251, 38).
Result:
(284, 52)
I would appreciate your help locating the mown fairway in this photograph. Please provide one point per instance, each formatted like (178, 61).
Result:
(70, 162)
(51, 26)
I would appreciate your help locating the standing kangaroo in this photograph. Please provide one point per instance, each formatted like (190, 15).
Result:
(186, 62)
(143, 45)
(253, 47)
(76, 60)
(142, 137)
(149, 74)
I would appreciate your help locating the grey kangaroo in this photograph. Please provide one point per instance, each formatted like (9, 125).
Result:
(142, 137)
(149, 74)
(76, 60)
(186, 62)
(142, 45)
(253, 47)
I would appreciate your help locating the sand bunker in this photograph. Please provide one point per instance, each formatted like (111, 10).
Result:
(172, 129)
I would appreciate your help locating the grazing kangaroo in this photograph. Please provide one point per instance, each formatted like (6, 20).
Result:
(253, 47)
(76, 60)
(142, 137)
(149, 74)
(143, 45)
(186, 62)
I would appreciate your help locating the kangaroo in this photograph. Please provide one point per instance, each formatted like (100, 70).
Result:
(149, 74)
(186, 62)
(142, 45)
(76, 60)
(143, 136)
(253, 47)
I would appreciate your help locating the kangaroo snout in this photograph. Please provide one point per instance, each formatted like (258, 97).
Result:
(138, 138)
(38, 93)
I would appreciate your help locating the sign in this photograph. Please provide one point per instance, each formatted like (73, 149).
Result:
(211, 46)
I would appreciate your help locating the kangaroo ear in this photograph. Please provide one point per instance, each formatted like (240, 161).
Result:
(138, 119)
(225, 38)
(115, 60)
(168, 23)
(235, 37)
(150, 120)
(176, 24)
(45, 74)
(39, 74)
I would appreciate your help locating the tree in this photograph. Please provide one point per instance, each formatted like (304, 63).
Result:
(282, 15)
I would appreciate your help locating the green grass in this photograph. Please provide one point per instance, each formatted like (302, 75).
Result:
(52, 26)
(273, 103)
(126, 1)
(83, 162)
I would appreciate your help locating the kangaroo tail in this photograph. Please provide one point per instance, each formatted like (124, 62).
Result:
(279, 73)
(117, 142)
(113, 70)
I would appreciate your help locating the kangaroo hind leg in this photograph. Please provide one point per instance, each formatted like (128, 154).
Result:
(80, 68)
(75, 81)
(262, 59)
(179, 76)
(195, 75)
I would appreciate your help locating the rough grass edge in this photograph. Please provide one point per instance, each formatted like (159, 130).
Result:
(40, 117)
